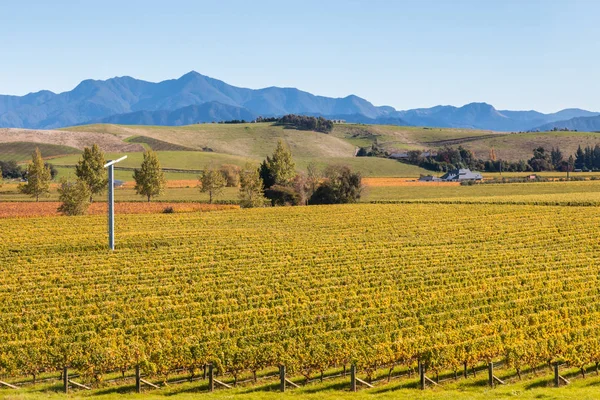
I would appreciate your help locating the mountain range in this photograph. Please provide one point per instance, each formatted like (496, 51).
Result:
(195, 98)
(582, 124)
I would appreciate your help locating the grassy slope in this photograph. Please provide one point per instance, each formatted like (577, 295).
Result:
(246, 140)
(520, 146)
(368, 166)
(169, 159)
(21, 151)
(508, 146)
(403, 138)
(258, 140)
(239, 143)
(157, 145)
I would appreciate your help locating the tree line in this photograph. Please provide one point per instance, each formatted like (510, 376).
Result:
(12, 170)
(449, 158)
(301, 122)
(275, 182)
(588, 158)
(90, 179)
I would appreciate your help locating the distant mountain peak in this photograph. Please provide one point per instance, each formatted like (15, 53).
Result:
(87, 86)
(138, 101)
(479, 106)
(191, 75)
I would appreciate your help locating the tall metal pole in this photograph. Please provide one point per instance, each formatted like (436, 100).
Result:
(111, 206)
(111, 201)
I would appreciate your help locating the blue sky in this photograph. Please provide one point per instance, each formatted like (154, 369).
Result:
(526, 54)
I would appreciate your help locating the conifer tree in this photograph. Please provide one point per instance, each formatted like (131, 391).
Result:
(579, 158)
(281, 164)
(149, 179)
(38, 177)
(90, 170)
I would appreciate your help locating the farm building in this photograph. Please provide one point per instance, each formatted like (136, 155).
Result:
(453, 176)
(462, 174)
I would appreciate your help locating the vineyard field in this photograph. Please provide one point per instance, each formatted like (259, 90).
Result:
(314, 288)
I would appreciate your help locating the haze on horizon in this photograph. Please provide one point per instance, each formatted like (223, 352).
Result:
(516, 55)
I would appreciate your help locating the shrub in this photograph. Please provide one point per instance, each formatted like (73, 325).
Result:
(11, 170)
(231, 174)
(74, 197)
(340, 186)
(282, 196)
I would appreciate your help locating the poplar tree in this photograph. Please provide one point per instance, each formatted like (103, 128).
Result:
(90, 170)
(212, 182)
(149, 179)
(38, 177)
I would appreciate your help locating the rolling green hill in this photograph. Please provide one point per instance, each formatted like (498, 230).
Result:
(257, 140)
(157, 145)
(246, 140)
(193, 147)
(519, 146)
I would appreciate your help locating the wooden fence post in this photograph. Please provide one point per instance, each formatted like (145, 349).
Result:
(138, 384)
(421, 376)
(211, 378)
(556, 378)
(282, 378)
(66, 379)
(353, 377)
(491, 374)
